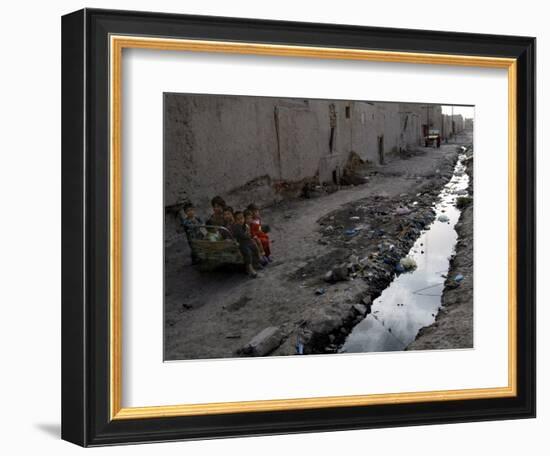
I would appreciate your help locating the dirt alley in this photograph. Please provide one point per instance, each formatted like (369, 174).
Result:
(216, 314)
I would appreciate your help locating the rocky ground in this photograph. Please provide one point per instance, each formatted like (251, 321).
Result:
(334, 253)
(453, 326)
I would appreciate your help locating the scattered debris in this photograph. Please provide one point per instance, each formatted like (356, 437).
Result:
(408, 263)
(402, 210)
(262, 343)
(360, 309)
(337, 274)
(352, 232)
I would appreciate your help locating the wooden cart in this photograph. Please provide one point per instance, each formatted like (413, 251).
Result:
(214, 253)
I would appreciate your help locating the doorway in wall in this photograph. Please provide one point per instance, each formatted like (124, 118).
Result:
(336, 176)
(381, 150)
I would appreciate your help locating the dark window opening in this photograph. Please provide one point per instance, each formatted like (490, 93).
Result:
(331, 140)
(348, 112)
(334, 177)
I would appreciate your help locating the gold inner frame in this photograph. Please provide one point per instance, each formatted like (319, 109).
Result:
(117, 44)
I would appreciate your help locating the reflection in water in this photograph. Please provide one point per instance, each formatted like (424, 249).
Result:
(412, 299)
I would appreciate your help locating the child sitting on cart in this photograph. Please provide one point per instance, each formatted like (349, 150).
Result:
(191, 225)
(247, 246)
(257, 232)
(216, 219)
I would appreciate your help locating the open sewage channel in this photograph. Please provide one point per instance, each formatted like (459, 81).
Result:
(413, 299)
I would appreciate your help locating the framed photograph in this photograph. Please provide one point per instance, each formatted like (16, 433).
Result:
(279, 227)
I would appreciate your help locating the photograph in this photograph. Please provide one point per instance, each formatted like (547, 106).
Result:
(300, 226)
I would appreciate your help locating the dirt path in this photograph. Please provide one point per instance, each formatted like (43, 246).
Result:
(212, 315)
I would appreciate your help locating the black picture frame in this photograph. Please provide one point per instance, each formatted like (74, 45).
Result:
(85, 228)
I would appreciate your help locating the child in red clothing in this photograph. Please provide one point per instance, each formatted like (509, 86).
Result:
(256, 230)
(259, 246)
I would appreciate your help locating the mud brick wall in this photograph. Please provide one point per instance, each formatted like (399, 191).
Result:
(239, 146)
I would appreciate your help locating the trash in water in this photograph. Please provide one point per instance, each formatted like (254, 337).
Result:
(443, 218)
(320, 291)
(355, 218)
(399, 268)
(408, 263)
(459, 278)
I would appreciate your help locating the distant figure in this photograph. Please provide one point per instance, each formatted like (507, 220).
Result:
(247, 246)
(216, 219)
(257, 232)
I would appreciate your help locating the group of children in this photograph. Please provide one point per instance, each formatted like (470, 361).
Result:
(245, 227)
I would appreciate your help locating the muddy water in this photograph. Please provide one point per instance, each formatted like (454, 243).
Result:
(412, 300)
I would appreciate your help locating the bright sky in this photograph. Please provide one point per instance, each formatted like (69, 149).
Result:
(466, 111)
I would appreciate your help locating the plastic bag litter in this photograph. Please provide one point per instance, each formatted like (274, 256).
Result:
(399, 268)
(351, 232)
(408, 263)
(443, 218)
